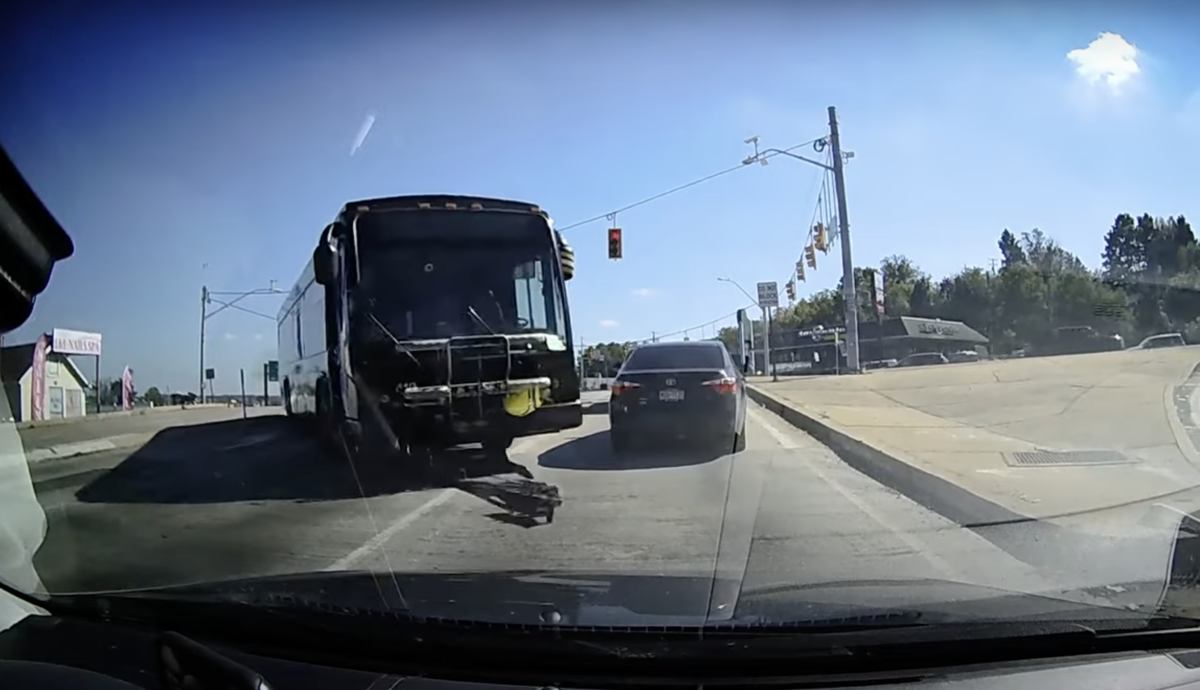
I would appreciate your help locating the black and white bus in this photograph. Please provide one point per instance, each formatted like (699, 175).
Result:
(432, 321)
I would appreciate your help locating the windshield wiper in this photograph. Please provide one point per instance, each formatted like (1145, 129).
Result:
(475, 315)
(395, 341)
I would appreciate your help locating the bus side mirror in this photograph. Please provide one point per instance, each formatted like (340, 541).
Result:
(323, 265)
(323, 256)
(566, 256)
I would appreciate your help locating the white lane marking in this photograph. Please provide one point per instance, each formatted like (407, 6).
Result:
(404, 521)
(911, 541)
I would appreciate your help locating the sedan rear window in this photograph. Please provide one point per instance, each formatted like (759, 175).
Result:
(681, 357)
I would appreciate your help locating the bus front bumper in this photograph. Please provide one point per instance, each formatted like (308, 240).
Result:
(432, 425)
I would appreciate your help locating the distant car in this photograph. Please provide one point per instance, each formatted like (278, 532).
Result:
(690, 390)
(923, 359)
(961, 356)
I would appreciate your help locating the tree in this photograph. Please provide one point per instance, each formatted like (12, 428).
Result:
(154, 396)
(1010, 250)
(1149, 283)
(604, 359)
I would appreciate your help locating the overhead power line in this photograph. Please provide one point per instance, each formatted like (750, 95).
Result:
(697, 327)
(609, 215)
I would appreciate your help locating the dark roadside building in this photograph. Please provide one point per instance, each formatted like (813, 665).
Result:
(898, 337)
(799, 351)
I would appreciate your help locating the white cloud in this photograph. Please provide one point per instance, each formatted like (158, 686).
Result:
(258, 336)
(230, 336)
(609, 323)
(644, 292)
(1110, 59)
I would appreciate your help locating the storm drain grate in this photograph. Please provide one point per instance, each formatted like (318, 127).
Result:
(1050, 458)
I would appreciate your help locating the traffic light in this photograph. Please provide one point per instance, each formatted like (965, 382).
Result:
(791, 291)
(811, 256)
(614, 243)
(273, 370)
(800, 270)
(819, 239)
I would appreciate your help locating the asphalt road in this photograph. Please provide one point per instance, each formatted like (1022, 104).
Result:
(258, 497)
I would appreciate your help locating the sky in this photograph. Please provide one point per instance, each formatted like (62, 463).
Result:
(209, 146)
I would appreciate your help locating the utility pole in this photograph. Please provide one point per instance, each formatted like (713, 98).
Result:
(766, 312)
(203, 320)
(206, 297)
(849, 289)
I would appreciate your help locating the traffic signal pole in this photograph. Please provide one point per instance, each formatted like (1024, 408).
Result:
(849, 289)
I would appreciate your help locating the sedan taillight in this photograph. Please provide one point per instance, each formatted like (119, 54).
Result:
(619, 387)
(725, 384)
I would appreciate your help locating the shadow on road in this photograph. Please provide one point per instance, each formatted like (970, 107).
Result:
(594, 453)
(273, 458)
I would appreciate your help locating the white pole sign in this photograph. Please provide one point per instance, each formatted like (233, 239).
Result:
(768, 295)
(75, 342)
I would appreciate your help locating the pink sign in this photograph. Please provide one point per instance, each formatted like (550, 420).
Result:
(38, 395)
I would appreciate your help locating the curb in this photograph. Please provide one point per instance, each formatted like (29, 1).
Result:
(929, 490)
(1181, 415)
(62, 451)
(116, 414)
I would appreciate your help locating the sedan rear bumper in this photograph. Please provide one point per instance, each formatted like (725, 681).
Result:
(710, 423)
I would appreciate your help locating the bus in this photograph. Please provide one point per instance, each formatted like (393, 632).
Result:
(426, 322)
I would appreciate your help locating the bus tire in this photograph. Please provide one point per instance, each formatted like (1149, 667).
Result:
(497, 444)
(326, 414)
(286, 394)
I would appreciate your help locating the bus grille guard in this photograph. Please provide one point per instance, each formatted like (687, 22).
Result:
(477, 367)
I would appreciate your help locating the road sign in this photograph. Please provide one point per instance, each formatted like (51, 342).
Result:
(210, 374)
(768, 294)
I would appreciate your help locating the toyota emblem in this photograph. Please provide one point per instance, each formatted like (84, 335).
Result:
(670, 382)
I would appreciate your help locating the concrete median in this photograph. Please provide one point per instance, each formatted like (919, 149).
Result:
(1099, 442)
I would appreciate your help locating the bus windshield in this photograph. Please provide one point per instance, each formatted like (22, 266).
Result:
(437, 274)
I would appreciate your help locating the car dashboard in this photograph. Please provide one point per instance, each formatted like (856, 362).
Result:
(48, 652)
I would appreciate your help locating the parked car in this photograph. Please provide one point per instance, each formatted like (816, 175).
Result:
(679, 390)
(1161, 340)
(923, 359)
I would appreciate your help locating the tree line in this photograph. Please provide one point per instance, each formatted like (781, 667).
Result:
(1148, 283)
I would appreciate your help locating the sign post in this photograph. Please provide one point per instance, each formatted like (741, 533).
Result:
(270, 375)
(66, 342)
(768, 298)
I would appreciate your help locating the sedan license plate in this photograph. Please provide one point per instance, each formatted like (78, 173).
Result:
(670, 395)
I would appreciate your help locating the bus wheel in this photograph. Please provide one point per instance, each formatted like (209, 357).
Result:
(497, 445)
(286, 394)
(326, 414)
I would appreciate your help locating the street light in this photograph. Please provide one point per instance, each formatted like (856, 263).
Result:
(766, 326)
(849, 289)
